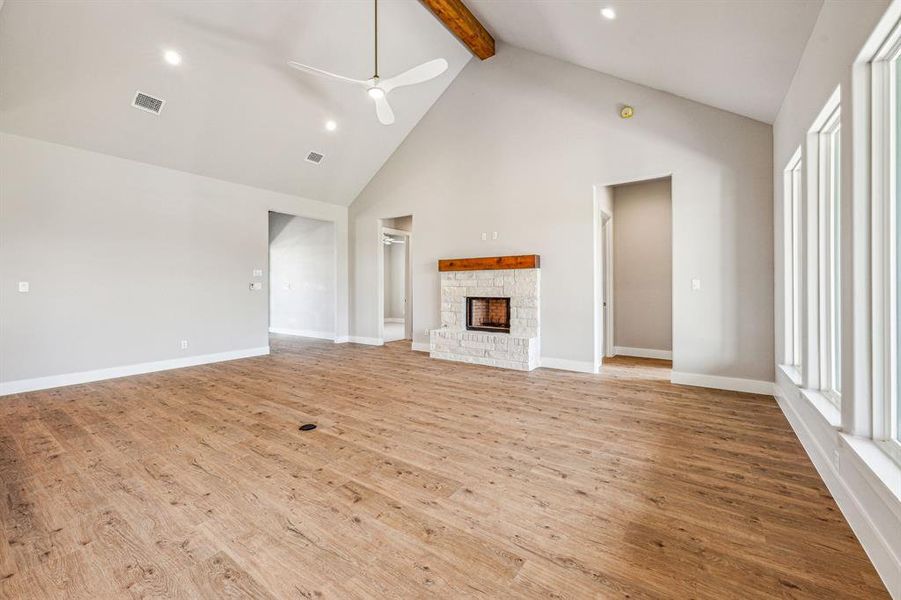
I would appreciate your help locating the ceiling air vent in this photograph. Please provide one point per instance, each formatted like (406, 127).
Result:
(149, 103)
(315, 158)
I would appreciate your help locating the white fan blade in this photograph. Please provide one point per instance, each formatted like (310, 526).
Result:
(322, 73)
(423, 72)
(383, 110)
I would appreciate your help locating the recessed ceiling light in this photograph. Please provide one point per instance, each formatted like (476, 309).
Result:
(172, 57)
(331, 125)
(608, 13)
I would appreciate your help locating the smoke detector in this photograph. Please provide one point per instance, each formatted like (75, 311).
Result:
(148, 103)
(314, 157)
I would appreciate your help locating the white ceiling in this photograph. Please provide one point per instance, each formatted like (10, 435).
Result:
(234, 110)
(737, 55)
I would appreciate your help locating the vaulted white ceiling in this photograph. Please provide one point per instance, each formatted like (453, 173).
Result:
(234, 110)
(737, 55)
(69, 70)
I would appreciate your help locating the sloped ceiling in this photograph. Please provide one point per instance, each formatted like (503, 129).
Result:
(737, 55)
(234, 110)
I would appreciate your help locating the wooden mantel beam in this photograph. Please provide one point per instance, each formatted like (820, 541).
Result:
(464, 25)
(490, 263)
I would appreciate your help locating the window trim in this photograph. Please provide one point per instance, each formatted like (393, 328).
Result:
(793, 216)
(829, 322)
(884, 249)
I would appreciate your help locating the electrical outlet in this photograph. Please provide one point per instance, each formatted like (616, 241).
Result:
(484, 236)
(184, 344)
(494, 235)
(256, 285)
(695, 284)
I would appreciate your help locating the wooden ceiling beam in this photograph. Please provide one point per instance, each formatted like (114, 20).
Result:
(463, 24)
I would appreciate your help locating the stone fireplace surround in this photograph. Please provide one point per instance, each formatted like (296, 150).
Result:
(514, 277)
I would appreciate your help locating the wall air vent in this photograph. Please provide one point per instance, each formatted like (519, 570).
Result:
(315, 158)
(149, 103)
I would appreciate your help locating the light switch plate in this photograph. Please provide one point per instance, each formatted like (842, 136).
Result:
(24, 286)
(695, 284)
(258, 272)
(484, 236)
(494, 235)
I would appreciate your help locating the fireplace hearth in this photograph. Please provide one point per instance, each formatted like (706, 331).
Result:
(488, 314)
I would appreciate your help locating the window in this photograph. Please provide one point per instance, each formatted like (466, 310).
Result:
(829, 192)
(792, 194)
(886, 261)
(891, 260)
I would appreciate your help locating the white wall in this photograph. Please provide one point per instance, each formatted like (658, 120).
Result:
(852, 466)
(516, 145)
(302, 275)
(126, 259)
(643, 266)
(395, 263)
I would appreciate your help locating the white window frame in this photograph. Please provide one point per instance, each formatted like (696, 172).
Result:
(793, 219)
(828, 149)
(885, 245)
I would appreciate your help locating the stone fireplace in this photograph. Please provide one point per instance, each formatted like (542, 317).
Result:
(490, 312)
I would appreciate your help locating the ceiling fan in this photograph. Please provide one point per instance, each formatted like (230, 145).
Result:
(388, 240)
(377, 88)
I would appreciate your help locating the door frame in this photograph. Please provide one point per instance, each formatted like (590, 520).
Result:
(604, 256)
(408, 283)
(607, 293)
(267, 274)
(603, 286)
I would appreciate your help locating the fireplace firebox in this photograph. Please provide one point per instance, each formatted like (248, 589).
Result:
(488, 314)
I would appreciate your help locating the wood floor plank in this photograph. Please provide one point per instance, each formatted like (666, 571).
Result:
(424, 479)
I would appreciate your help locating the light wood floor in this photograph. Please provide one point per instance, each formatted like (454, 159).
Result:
(424, 479)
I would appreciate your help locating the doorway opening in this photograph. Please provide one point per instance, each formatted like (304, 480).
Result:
(302, 276)
(634, 258)
(395, 239)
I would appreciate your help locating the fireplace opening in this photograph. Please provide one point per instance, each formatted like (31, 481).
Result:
(488, 314)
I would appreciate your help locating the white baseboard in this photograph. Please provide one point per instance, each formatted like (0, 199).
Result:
(421, 347)
(868, 505)
(642, 352)
(735, 384)
(394, 319)
(342, 339)
(53, 381)
(564, 364)
(310, 333)
(369, 341)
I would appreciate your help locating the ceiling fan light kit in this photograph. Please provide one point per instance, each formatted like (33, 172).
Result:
(377, 88)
